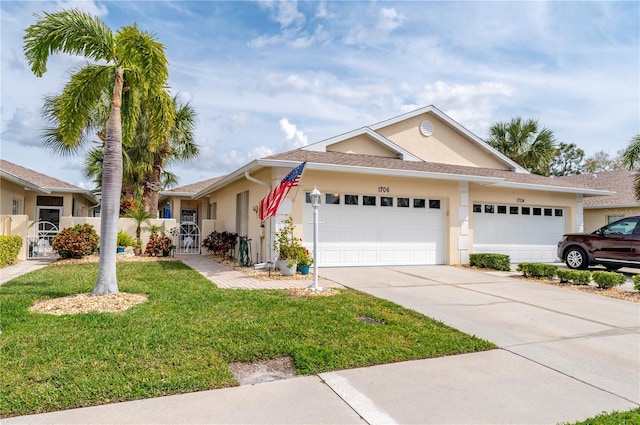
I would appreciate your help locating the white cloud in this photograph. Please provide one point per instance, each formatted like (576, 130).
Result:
(293, 138)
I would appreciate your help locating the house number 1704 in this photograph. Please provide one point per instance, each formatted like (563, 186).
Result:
(384, 189)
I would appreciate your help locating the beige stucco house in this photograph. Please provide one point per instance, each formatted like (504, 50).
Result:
(28, 197)
(415, 189)
(601, 210)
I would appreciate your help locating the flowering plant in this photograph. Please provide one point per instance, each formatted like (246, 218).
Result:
(304, 257)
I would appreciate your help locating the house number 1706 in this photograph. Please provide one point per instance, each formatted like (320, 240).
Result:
(384, 189)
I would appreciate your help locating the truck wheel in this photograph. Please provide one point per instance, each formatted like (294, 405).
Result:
(576, 258)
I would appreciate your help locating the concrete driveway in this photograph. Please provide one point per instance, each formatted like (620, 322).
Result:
(576, 343)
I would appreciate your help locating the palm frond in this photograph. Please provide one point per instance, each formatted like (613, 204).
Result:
(70, 31)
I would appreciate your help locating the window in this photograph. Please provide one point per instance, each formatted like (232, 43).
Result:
(502, 209)
(351, 199)
(526, 211)
(419, 203)
(307, 197)
(386, 201)
(15, 207)
(402, 202)
(49, 201)
(489, 209)
(557, 212)
(332, 198)
(434, 204)
(477, 208)
(612, 218)
(537, 211)
(513, 210)
(369, 200)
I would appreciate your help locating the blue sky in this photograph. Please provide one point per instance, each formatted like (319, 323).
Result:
(269, 76)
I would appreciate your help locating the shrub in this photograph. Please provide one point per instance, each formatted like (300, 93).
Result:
(538, 270)
(76, 242)
(220, 243)
(606, 280)
(636, 282)
(124, 239)
(490, 261)
(159, 245)
(577, 277)
(9, 249)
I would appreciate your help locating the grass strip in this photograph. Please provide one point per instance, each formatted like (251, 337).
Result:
(183, 338)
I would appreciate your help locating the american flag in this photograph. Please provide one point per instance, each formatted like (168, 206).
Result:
(270, 203)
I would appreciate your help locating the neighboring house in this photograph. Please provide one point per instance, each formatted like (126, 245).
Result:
(415, 189)
(601, 210)
(182, 205)
(28, 197)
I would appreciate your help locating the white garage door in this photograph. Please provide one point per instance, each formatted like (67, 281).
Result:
(363, 230)
(524, 233)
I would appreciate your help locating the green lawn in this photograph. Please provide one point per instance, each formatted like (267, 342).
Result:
(182, 339)
(630, 417)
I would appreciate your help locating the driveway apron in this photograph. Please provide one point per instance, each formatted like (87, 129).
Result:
(582, 342)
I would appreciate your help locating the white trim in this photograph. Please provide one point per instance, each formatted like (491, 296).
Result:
(26, 184)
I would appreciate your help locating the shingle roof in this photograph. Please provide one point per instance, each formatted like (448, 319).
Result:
(193, 187)
(359, 160)
(619, 181)
(37, 179)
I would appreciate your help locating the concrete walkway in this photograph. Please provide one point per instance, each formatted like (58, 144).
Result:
(225, 277)
(563, 356)
(23, 267)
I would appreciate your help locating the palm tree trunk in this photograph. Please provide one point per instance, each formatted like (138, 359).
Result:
(156, 185)
(107, 282)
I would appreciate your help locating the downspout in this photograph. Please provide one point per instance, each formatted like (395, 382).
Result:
(267, 231)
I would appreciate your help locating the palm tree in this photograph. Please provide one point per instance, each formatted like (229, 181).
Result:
(144, 168)
(179, 146)
(130, 68)
(631, 159)
(525, 143)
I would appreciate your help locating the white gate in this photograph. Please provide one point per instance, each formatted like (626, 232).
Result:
(39, 238)
(187, 239)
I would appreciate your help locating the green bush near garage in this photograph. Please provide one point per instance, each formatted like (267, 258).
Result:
(490, 261)
(606, 280)
(538, 270)
(9, 249)
(576, 277)
(636, 282)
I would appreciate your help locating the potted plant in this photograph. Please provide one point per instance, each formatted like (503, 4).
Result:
(124, 240)
(305, 260)
(287, 246)
(137, 247)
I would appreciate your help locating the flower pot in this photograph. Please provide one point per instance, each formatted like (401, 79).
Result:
(137, 252)
(304, 269)
(288, 271)
(120, 249)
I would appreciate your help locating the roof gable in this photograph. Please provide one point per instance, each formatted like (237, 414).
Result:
(403, 137)
(363, 141)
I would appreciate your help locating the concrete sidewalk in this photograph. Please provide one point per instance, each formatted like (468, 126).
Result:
(23, 267)
(564, 356)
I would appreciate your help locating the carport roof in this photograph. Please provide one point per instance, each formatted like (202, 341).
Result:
(377, 165)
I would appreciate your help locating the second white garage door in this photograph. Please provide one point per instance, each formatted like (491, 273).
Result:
(524, 233)
(367, 230)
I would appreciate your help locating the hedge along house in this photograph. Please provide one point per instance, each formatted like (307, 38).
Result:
(415, 189)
